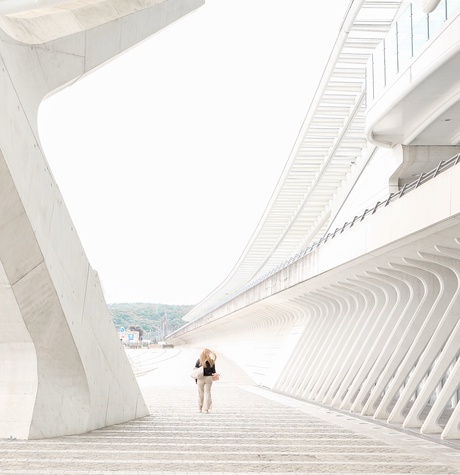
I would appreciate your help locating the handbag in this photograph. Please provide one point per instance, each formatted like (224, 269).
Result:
(197, 373)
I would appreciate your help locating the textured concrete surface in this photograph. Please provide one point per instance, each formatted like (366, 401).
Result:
(249, 430)
(62, 368)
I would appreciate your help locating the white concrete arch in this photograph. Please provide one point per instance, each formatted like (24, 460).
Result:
(324, 316)
(310, 341)
(450, 383)
(332, 341)
(283, 355)
(291, 379)
(296, 344)
(431, 308)
(441, 349)
(343, 348)
(311, 345)
(384, 347)
(450, 387)
(369, 312)
(322, 339)
(378, 335)
(384, 300)
(452, 427)
(433, 334)
(416, 314)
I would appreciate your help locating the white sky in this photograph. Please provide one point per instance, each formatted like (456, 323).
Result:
(168, 155)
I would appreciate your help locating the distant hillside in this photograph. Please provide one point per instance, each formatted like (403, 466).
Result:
(155, 320)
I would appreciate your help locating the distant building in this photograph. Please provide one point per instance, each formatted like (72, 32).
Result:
(129, 338)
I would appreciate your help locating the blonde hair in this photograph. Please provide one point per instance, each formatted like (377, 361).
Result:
(207, 356)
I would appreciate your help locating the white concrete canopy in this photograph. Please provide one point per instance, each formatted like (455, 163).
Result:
(63, 370)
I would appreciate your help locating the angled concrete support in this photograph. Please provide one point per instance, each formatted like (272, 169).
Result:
(385, 344)
(415, 314)
(340, 321)
(63, 370)
(434, 335)
(347, 340)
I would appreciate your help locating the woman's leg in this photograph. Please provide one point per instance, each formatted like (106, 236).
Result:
(207, 383)
(200, 385)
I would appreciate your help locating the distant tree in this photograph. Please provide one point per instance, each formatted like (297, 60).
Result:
(149, 317)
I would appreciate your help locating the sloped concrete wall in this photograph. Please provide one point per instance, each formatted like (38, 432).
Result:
(64, 370)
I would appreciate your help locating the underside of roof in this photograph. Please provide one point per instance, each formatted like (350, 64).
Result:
(330, 144)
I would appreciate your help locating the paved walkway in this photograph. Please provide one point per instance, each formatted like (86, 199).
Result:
(250, 430)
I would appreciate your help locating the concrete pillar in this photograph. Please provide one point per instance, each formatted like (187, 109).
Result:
(65, 370)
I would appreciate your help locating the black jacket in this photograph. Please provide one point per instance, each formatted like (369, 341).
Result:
(208, 370)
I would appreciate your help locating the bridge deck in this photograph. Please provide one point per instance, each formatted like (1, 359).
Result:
(250, 430)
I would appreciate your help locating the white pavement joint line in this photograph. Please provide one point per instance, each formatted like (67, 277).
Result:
(72, 461)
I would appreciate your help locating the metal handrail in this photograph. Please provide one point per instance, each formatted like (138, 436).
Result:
(423, 178)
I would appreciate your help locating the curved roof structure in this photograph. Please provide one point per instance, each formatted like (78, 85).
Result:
(330, 147)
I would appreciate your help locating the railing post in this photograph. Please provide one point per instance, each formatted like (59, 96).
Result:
(376, 207)
(437, 168)
(419, 179)
(399, 193)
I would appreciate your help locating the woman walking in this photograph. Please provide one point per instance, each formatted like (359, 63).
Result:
(207, 359)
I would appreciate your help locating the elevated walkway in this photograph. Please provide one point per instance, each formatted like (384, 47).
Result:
(250, 430)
